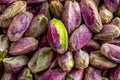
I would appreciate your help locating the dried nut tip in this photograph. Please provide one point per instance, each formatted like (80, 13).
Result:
(66, 61)
(57, 36)
(105, 15)
(81, 59)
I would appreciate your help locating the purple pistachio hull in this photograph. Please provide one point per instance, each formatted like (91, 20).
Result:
(57, 36)
(115, 73)
(90, 15)
(92, 73)
(23, 46)
(55, 74)
(19, 25)
(76, 74)
(66, 61)
(111, 51)
(15, 64)
(71, 16)
(109, 32)
(112, 5)
(81, 59)
(79, 38)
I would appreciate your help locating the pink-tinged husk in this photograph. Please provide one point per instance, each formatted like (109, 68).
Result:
(91, 16)
(25, 75)
(105, 15)
(111, 51)
(76, 74)
(109, 32)
(19, 25)
(116, 21)
(79, 38)
(114, 41)
(15, 64)
(92, 73)
(71, 16)
(112, 5)
(115, 73)
(56, 8)
(13, 9)
(23, 46)
(66, 61)
(7, 76)
(41, 60)
(44, 9)
(37, 26)
(92, 45)
(99, 61)
(81, 59)
(57, 36)
(53, 74)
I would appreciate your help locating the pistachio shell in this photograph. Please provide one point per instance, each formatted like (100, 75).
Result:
(57, 36)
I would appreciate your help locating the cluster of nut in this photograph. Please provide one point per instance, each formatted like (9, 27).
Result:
(59, 40)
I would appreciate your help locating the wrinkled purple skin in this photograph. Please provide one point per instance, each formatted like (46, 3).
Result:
(23, 46)
(111, 51)
(19, 25)
(76, 74)
(65, 61)
(44, 9)
(92, 73)
(90, 15)
(79, 38)
(91, 46)
(71, 16)
(114, 41)
(43, 42)
(112, 5)
(35, 1)
(54, 74)
(8, 76)
(54, 63)
(115, 73)
(15, 64)
(7, 1)
(109, 32)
